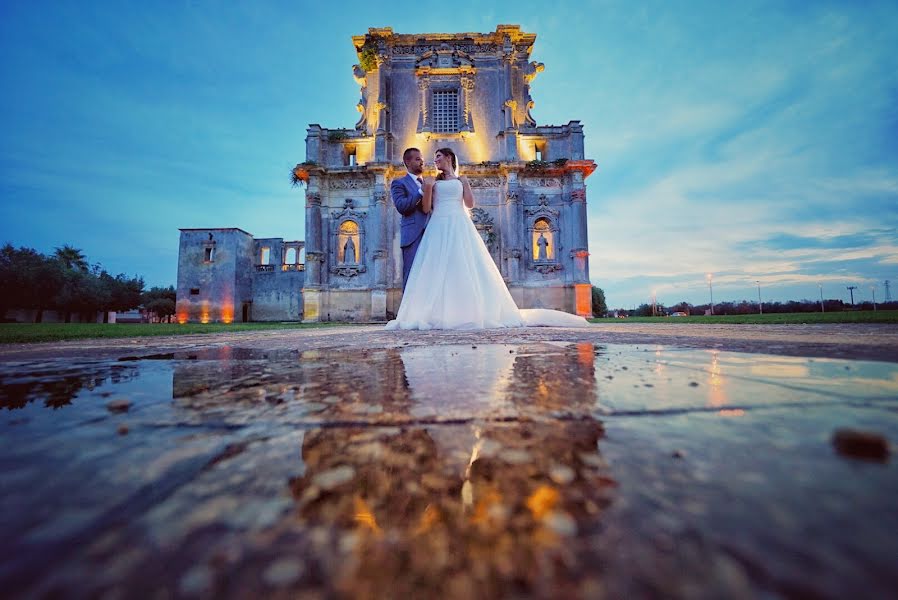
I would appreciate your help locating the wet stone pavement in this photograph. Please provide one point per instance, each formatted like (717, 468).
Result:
(463, 470)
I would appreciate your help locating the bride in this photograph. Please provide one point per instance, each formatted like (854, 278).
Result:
(454, 283)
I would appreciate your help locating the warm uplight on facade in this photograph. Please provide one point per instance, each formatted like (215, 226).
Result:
(182, 318)
(583, 293)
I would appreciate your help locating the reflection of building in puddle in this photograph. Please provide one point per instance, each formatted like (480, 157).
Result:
(348, 383)
(474, 510)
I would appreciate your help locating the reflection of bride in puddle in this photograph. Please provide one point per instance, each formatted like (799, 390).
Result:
(457, 510)
(463, 380)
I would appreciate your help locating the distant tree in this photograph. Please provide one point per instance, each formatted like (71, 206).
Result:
(599, 308)
(160, 301)
(645, 310)
(682, 307)
(28, 280)
(119, 293)
(71, 257)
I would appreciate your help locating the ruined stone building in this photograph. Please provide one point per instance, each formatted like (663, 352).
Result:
(466, 91)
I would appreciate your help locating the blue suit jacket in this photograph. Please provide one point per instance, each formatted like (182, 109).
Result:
(407, 200)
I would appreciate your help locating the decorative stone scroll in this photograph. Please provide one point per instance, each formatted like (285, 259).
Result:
(468, 48)
(542, 209)
(348, 212)
(347, 184)
(549, 182)
(546, 268)
(483, 222)
(348, 270)
(486, 182)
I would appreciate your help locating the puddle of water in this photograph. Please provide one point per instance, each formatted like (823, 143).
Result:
(488, 470)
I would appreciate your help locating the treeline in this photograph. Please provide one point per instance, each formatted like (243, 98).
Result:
(66, 283)
(746, 307)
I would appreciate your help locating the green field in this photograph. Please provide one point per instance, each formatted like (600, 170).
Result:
(11, 333)
(861, 316)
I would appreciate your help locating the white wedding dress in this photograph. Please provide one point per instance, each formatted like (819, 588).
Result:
(454, 283)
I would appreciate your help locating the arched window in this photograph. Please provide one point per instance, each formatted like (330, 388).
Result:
(290, 257)
(543, 241)
(348, 243)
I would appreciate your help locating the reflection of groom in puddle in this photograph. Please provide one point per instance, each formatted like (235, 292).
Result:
(407, 194)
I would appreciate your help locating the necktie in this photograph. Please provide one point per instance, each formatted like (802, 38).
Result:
(420, 181)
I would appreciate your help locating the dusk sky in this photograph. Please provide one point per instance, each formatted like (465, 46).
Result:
(757, 143)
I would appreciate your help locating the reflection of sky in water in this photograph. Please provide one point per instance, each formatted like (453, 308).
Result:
(659, 378)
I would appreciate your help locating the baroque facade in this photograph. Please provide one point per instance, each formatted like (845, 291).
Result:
(469, 92)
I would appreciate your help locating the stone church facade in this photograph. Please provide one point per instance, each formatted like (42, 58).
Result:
(469, 92)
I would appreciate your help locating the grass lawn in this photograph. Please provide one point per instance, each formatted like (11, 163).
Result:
(861, 316)
(51, 332)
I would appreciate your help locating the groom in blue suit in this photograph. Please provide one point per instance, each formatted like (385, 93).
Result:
(407, 195)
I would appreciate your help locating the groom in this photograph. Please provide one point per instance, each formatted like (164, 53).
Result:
(407, 195)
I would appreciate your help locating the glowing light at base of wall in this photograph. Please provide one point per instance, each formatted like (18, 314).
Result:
(583, 299)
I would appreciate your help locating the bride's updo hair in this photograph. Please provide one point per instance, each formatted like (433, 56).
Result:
(448, 152)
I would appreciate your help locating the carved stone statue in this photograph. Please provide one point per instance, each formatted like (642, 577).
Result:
(530, 73)
(358, 73)
(349, 252)
(543, 244)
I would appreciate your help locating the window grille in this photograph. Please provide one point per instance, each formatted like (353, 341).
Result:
(445, 111)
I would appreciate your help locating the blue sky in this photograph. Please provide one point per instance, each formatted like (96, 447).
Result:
(757, 143)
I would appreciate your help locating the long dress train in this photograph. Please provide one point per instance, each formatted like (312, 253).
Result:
(454, 283)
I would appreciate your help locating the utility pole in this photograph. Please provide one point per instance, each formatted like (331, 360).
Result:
(886, 285)
(820, 285)
(851, 289)
(873, 291)
(760, 306)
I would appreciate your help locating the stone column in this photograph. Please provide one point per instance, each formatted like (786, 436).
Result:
(313, 144)
(424, 116)
(313, 239)
(467, 86)
(580, 250)
(576, 130)
(311, 290)
(514, 225)
(377, 216)
(381, 135)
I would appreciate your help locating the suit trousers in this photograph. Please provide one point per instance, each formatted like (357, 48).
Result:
(408, 257)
